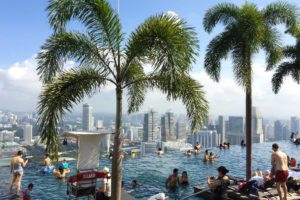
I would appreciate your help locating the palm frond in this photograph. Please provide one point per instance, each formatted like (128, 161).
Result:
(59, 96)
(282, 70)
(225, 13)
(165, 41)
(62, 46)
(217, 49)
(100, 20)
(186, 89)
(281, 13)
(136, 86)
(272, 46)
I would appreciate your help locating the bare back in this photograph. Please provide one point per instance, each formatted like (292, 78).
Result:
(279, 160)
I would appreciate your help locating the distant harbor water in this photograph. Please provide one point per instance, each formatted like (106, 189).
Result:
(152, 171)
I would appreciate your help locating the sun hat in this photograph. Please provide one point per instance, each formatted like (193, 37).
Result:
(267, 172)
(105, 170)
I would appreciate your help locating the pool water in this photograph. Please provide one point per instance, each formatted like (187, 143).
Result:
(152, 171)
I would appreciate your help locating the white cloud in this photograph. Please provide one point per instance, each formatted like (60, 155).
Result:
(20, 87)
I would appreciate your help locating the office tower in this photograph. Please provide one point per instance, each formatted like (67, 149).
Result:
(181, 131)
(99, 124)
(27, 133)
(167, 127)
(150, 126)
(207, 138)
(235, 133)
(257, 126)
(87, 117)
(269, 132)
(278, 130)
(221, 128)
(294, 124)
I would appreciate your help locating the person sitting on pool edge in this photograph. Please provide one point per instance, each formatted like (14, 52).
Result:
(219, 187)
(27, 192)
(159, 151)
(173, 179)
(184, 180)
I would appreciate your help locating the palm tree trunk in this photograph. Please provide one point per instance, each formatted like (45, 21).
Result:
(117, 158)
(249, 131)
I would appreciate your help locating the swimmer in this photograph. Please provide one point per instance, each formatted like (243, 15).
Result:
(27, 192)
(134, 183)
(159, 152)
(47, 163)
(183, 180)
(16, 170)
(212, 157)
(188, 153)
(65, 165)
(60, 173)
(173, 179)
(206, 156)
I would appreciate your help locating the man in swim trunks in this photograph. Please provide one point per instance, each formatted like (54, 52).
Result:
(47, 163)
(173, 179)
(279, 162)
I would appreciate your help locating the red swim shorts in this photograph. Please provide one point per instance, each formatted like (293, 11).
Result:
(281, 176)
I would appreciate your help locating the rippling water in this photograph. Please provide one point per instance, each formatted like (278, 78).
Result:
(152, 171)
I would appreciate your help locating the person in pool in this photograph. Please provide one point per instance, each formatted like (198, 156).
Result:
(206, 156)
(16, 170)
(212, 157)
(65, 165)
(27, 192)
(173, 179)
(47, 163)
(188, 153)
(219, 186)
(159, 151)
(134, 183)
(184, 180)
(60, 173)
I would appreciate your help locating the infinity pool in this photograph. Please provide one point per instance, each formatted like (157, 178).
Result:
(152, 171)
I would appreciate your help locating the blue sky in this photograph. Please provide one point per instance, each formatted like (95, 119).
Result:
(24, 28)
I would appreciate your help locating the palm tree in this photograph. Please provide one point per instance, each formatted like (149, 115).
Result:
(103, 58)
(289, 67)
(247, 30)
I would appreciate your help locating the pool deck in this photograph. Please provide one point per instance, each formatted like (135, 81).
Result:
(126, 196)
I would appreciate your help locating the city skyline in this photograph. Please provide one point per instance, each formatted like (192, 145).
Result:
(20, 84)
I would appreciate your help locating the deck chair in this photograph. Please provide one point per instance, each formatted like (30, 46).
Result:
(83, 184)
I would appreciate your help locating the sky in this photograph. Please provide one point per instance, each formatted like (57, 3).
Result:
(24, 28)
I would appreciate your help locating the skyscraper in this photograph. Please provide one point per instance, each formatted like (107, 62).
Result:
(181, 130)
(257, 126)
(87, 117)
(27, 133)
(150, 126)
(235, 132)
(295, 124)
(278, 130)
(167, 127)
(221, 128)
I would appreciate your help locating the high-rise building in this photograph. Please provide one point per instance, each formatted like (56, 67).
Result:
(208, 138)
(278, 130)
(167, 127)
(87, 118)
(27, 133)
(295, 124)
(151, 130)
(221, 128)
(181, 131)
(235, 133)
(99, 124)
(269, 134)
(257, 126)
